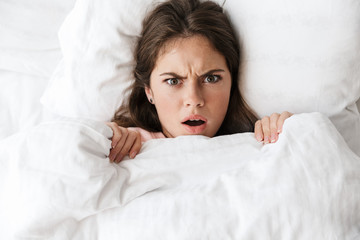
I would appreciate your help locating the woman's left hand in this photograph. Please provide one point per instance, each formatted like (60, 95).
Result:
(268, 128)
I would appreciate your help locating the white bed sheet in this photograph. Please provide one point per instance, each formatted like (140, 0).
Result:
(57, 183)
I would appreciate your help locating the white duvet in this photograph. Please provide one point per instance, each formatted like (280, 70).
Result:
(57, 183)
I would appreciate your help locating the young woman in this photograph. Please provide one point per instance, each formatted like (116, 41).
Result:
(186, 81)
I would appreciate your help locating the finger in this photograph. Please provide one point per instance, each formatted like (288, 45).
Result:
(114, 139)
(273, 127)
(116, 133)
(281, 120)
(114, 153)
(258, 131)
(265, 122)
(135, 149)
(125, 150)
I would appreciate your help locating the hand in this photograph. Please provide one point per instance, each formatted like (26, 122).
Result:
(268, 128)
(124, 142)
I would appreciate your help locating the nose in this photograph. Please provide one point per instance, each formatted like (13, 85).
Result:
(193, 96)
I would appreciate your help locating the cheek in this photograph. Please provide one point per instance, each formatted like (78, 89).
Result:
(165, 103)
(221, 95)
(221, 101)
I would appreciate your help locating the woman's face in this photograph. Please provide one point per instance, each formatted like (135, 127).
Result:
(190, 87)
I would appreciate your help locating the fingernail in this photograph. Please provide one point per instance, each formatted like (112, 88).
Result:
(266, 140)
(132, 155)
(273, 138)
(259, 138)
(279, 131)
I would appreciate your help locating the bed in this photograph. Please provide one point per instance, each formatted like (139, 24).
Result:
(64, 69)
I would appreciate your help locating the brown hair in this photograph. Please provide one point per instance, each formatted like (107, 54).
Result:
(179, 19)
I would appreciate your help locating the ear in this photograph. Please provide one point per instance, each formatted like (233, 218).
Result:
(149, 94)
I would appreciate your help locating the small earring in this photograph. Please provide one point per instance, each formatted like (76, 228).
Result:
(151, 101)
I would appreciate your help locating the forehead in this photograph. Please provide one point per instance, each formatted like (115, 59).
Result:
(178, 42)
(196, 50)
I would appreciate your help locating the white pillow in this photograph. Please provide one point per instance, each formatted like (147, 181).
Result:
(299, 57)
(28, 30)
(302, 56)
(29, 53)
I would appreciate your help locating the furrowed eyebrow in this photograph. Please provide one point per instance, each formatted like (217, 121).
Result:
(173, 74)
(180, 77)
(212, 71)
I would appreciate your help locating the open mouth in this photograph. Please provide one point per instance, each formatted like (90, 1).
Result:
(194, 123)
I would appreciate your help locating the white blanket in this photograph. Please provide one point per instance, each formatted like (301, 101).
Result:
(57, 183)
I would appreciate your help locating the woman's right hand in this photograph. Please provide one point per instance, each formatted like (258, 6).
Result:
(124, 142)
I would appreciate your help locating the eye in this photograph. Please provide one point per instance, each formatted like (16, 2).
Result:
(212, 78)
(173, 81)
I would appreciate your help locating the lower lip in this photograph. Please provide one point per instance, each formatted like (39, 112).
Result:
(195, 129)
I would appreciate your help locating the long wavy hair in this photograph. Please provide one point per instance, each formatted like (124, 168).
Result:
(181, 19)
